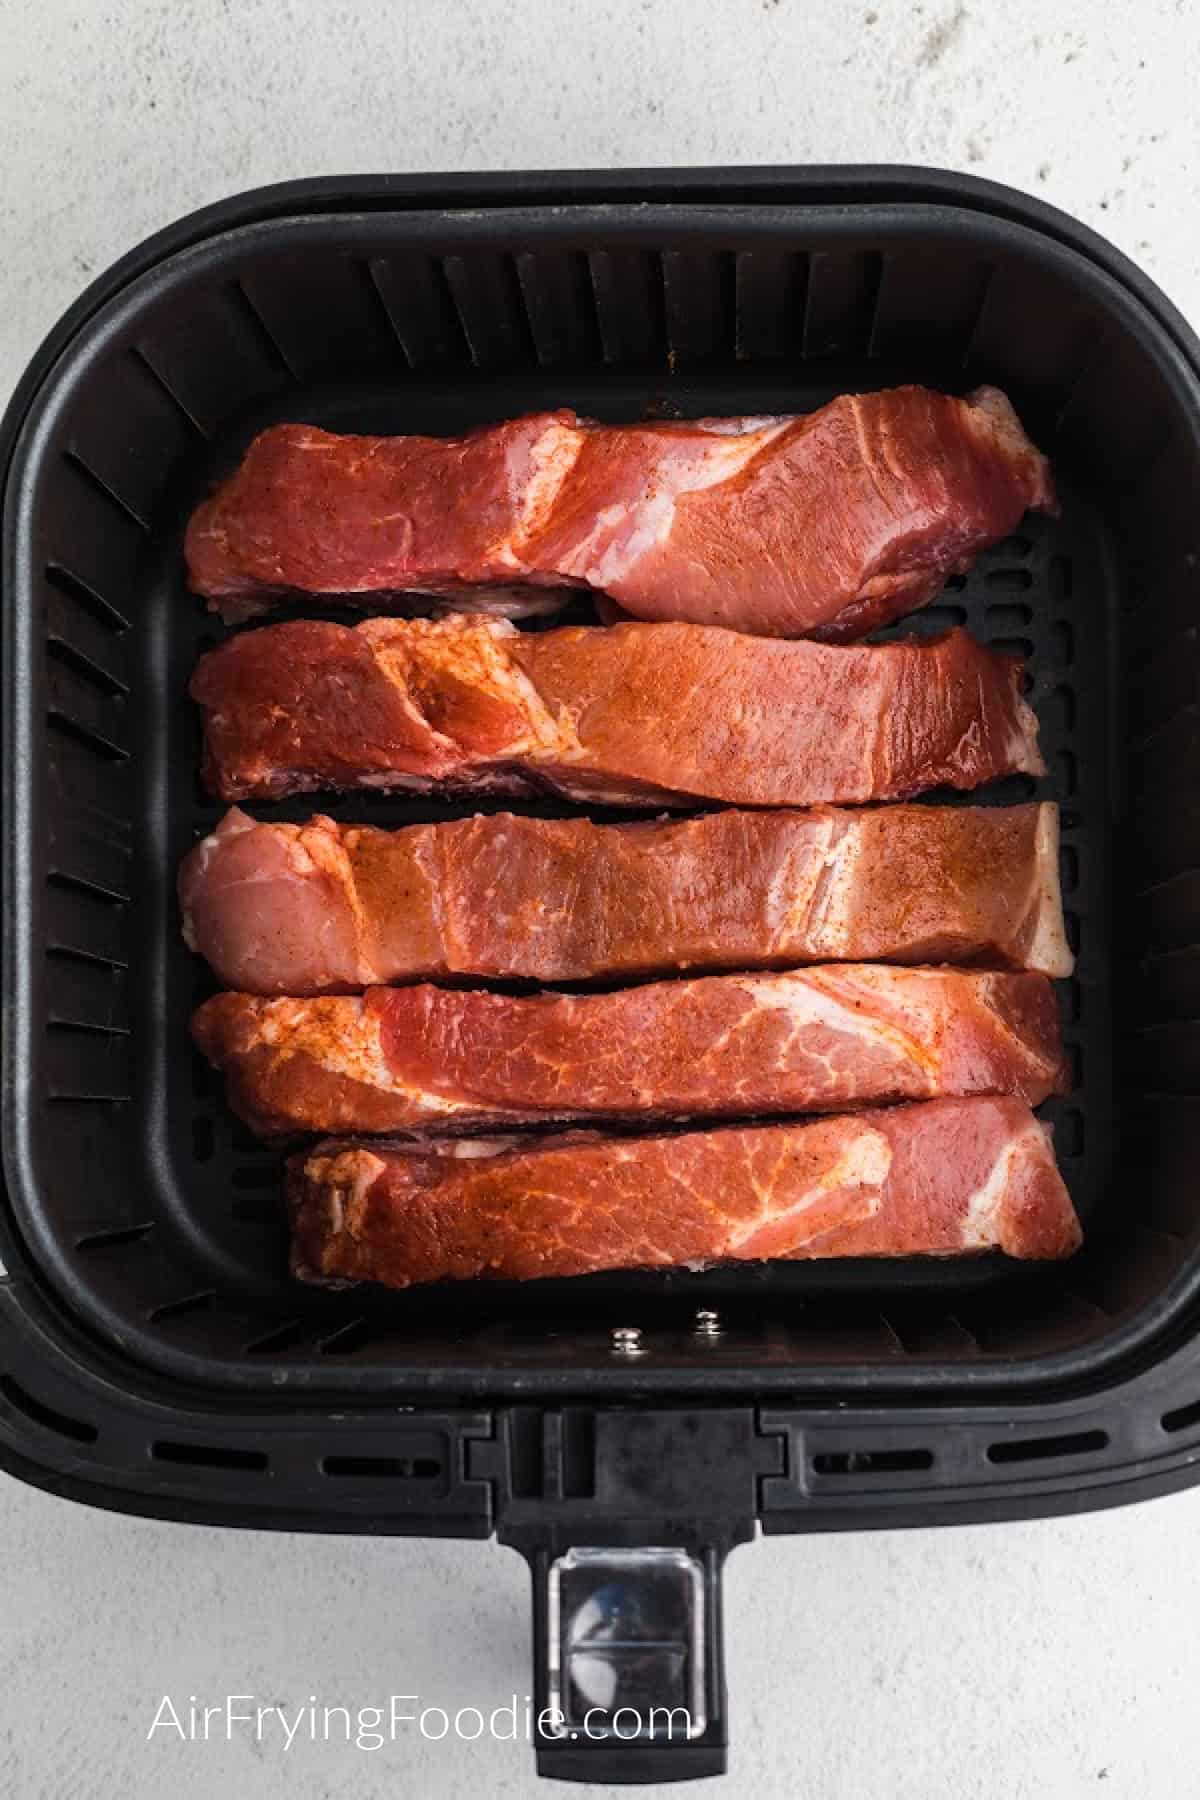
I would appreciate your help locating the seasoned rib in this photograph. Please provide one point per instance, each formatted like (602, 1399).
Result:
(328, 908)
(818, 1040)
(826, 525)
(941, 1179)
(630, 714)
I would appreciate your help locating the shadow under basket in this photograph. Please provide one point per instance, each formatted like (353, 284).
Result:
(154, 1353)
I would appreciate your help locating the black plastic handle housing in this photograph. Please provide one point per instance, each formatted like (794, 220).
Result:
(625, 1518)
(628, 1663)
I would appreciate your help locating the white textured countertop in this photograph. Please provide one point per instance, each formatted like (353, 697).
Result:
(1054, 1659)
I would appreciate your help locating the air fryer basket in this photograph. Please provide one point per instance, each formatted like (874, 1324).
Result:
(143, 1232)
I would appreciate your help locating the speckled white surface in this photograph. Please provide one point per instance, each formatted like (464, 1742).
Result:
(1039, 1659)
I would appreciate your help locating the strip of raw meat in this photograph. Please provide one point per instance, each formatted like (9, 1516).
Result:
(826, 525)
(941, 1179)
(328, 908)
(733, 1046)
(627, 714)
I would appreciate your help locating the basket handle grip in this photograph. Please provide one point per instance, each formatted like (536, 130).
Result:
(628, 1663)
(625, 1515)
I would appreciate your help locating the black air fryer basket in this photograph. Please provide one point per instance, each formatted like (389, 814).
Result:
(624, 1431)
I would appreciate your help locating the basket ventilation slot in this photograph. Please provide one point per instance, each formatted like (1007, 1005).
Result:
(345, 1340)
(186, 1303)
(98, 484)
(282, 1337)
(1041, 1449)
(143, 362)
(392, 1468)
(1182, 1418)
(47, 1416)
(119, 1236)
(265, 340)
(95, 605)
(211, 1456)
(870, 1462)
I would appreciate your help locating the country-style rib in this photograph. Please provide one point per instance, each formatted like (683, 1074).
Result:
(826, 525)
(633, 714)
(946, 1178)
(726, 1046)
(329, 908)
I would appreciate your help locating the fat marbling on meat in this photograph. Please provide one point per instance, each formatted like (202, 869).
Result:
(329, 908)
(429, 1058)
(823, 525)
(632, 714)
(943, 1178)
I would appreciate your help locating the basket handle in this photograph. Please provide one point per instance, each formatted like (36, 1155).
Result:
(625, 1515)
(628, 1665)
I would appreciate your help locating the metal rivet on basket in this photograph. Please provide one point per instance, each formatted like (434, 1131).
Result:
(627, 1341)
(708, 1324)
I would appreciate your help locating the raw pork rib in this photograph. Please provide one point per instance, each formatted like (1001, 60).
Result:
(328, 908)
(826, 525)
(629, 714)
(939, 1179)
(819, 1040)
